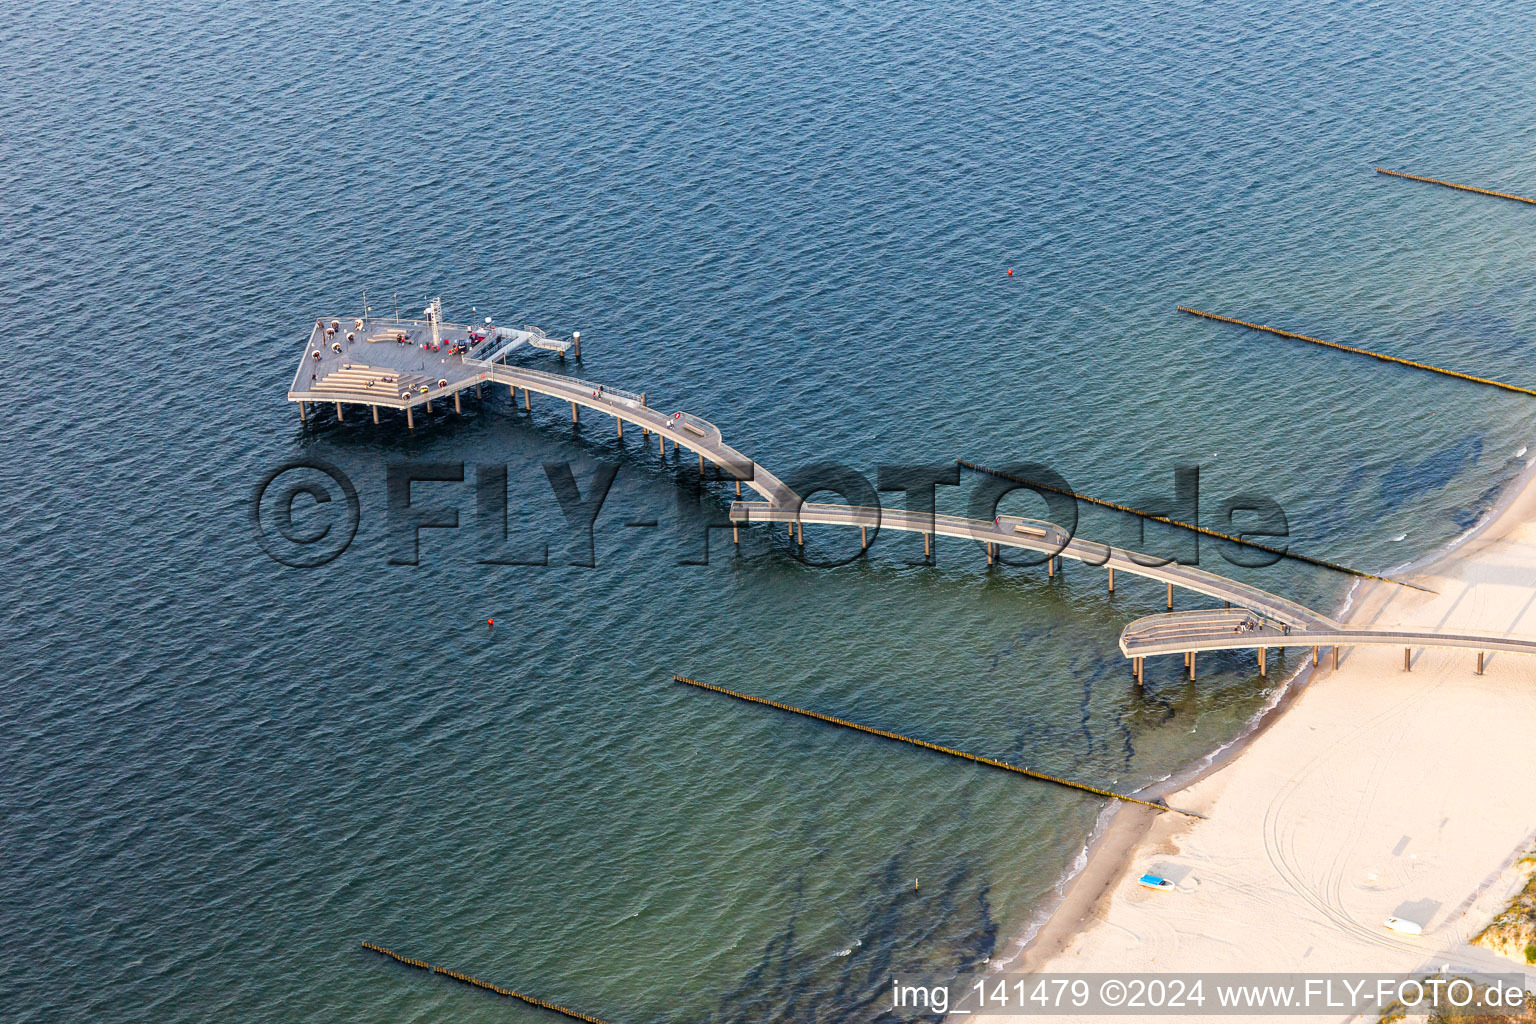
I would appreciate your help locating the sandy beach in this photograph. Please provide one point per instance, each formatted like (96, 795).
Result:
(1375, 792)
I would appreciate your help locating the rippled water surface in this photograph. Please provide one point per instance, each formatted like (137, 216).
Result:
(219, 774)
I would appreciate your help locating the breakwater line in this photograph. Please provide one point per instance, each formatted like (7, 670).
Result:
(487, 986)
(1459, 188)
(937, 748)
(1359, 351)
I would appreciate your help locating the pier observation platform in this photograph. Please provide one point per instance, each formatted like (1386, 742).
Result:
(407, 365)
(365, 362)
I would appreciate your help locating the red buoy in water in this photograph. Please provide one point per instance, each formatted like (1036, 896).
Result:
(491, 623)
(1010, 271)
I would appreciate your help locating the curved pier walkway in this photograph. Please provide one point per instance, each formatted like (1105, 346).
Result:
(366, 363)
(1257, 619)
(1191, 632)
(684, 430)
(1035, 535)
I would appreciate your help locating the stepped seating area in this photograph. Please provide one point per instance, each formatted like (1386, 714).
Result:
(1199, 625)
(359, 379)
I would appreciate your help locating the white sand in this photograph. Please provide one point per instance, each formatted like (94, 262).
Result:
(1377, 792)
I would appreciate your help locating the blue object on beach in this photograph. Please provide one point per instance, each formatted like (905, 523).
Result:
(1155, 882)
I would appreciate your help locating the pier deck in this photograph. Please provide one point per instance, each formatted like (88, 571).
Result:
(374, 368)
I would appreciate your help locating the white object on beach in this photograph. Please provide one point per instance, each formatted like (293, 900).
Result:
(1397, 924)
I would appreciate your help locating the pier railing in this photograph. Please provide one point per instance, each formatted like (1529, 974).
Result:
(561, 380)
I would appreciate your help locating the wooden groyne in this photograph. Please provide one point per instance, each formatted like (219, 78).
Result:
(1459, 188)
(1358, 351)
(990, 762)
(396, 956)
(1206, 531)
(487, 986)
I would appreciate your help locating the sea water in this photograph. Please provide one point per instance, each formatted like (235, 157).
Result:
(220, 774)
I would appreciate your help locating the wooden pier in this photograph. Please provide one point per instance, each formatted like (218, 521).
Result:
(364, 362)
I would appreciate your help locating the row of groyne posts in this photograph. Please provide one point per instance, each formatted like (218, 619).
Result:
(987, 762)
(1189, 657)
(487, 986)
